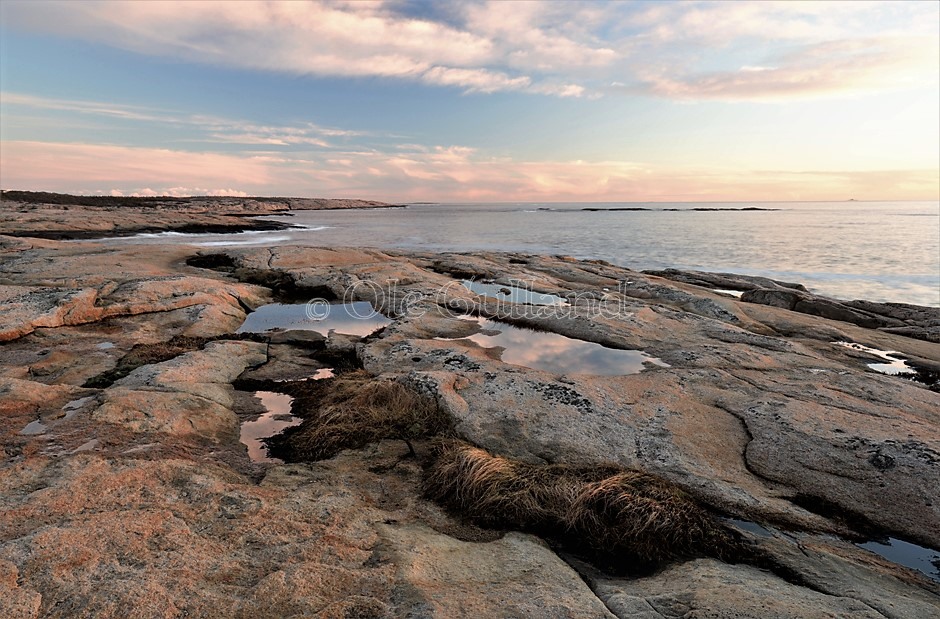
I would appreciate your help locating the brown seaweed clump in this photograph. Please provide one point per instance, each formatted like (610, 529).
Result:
(352, 410)
(607, 510)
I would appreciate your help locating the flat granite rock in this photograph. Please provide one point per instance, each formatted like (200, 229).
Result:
(518, 575)
(27, 309)
(189, 394)
(899, 318)
(709, 588)
(138, 500)
(745, 419)
(16, 602)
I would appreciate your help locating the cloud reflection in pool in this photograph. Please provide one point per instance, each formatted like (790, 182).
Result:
(274, 421)
(557, 353)
(357, 318)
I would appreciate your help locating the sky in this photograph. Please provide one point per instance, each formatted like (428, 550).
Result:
(416, 100)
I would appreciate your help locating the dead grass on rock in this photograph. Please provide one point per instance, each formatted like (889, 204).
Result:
(607, 510)
(352, 410)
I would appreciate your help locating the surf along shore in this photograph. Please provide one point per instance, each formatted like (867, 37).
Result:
(462, 456)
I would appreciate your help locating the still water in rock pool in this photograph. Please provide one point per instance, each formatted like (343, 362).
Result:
(557, 353)
(895, 365)
(911, 555)
(275, 421)
(357, 318)
(512, 294)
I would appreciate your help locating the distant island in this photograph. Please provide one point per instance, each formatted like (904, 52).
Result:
(697, 208)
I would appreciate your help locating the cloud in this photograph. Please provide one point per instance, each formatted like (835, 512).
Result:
(270, 139)
(209, 128)
(474, 80)
(314, 38)
(441, 173)
(722, 24)
(176, 192)
(538, 35)
(113, 110)
(686, 50)
(780, 51)
(839, 67)
(44, 165)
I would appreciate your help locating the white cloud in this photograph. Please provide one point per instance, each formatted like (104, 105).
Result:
(315, 38)
(532, 35)
(839, 67)
(113, 110)
(550, 48)
(475, 80)
(208, 128)
(562, 90)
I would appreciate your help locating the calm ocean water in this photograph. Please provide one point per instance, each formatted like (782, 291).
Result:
(879, 251)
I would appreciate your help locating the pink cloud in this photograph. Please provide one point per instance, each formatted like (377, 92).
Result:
(452, 173)
(457, 174)
(46, 165)
(180, 192)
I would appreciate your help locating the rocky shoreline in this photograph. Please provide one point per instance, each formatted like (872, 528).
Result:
(125, 492)
(65, 217)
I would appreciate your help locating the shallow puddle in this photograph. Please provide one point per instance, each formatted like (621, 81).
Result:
(275, 421)
(895, 364)
(358, 318)
(318, 375)
(513, 294)
(733, 293)
(907, 554)
(557, 353)
(910, 555)
(751, 527)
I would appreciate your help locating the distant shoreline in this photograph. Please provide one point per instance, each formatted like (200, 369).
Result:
(639, 208)
(57, 216)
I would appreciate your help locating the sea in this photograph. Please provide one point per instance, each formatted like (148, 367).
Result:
(877, 251)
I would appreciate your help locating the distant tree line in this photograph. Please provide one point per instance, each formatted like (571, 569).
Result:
(46, 197)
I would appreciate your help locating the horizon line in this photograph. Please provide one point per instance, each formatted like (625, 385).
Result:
(432, 202)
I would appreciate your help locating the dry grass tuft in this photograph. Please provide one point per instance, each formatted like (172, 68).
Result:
(608, 510)
(353, 410)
